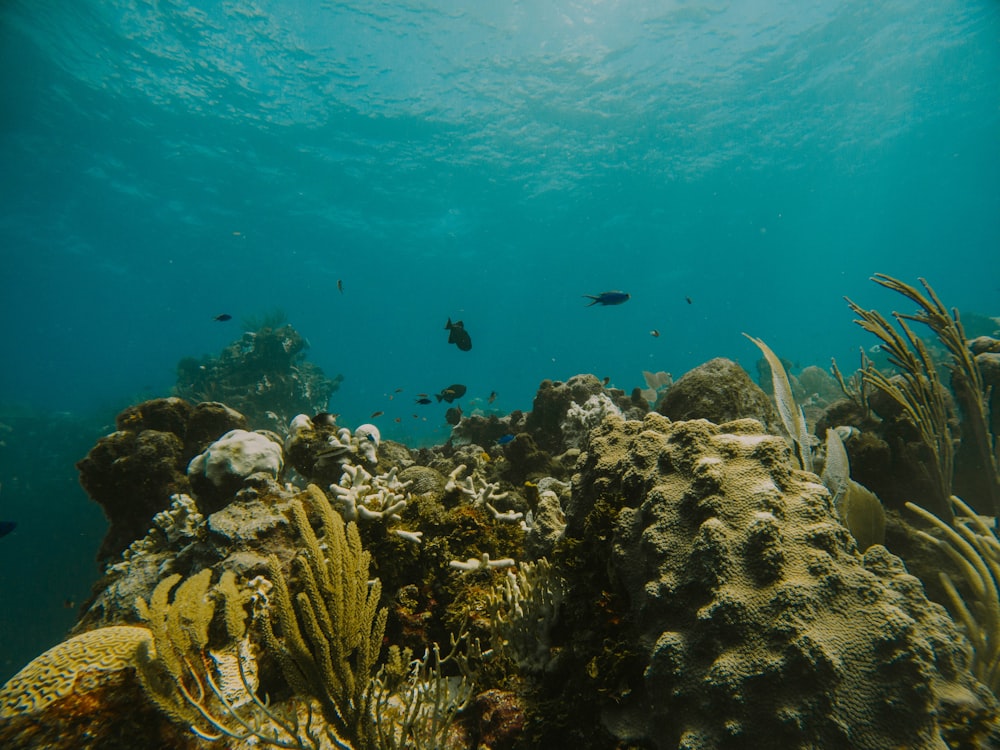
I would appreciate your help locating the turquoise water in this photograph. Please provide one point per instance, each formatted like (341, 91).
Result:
(491, 162)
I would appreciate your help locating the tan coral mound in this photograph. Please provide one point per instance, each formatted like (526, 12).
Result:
(761, 623)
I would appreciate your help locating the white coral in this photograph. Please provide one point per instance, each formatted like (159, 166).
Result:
(366, 440)
(368, 498)
(479, 495)
(580, 419)
(483, 561)
(181, 521)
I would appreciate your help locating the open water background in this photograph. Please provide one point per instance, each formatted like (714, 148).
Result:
(166, 162)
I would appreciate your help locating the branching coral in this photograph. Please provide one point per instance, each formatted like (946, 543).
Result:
(479, 496)
(414, 702)
(523, 609)
(181, 521)
(975, 549)
(365, 497)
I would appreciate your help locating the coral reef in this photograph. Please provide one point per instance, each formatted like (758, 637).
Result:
(553, 402)
(641, 582)
(263, 375)
(133, 472)
(320, 450)
(580, 419)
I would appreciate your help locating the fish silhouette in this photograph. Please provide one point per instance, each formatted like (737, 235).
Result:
(458, 335)
(608, 298)
(449, 394)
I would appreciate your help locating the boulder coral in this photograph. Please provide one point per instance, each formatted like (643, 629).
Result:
(719, 391)
(758, 622)
(133, 472)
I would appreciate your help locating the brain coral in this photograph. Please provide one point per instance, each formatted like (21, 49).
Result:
(69, 667)
(759, 623)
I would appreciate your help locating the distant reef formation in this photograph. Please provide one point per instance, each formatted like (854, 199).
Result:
(263, 375)
(673, 567)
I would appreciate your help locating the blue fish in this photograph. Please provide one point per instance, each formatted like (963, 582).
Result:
(505, 439)
(6, 527)
(608, 298)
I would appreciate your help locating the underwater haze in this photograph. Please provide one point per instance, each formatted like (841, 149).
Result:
(733, 166)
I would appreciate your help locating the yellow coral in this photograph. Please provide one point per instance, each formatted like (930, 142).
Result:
(54, 675)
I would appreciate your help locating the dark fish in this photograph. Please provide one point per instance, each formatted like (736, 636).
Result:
(398, 390)
(504, 439)
(376, 414)
(223, 318)
(492, 398)
(325, 418)
(6, 527)
(654, 333)
(458, 335)
(688, 300)
(425, 401)
(608, 298)
(453, 416)
(340, 285)
(449, 394)
(605, 381)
